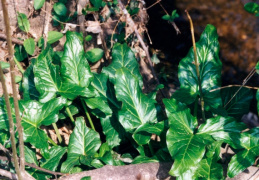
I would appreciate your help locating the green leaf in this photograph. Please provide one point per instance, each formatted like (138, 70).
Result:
(107, 110)
(4, 136)
(4, 65)
(166, 17)
(54, 36)
(3, 114)
(94, 55)
(143, 159)
(75, 70)
(251, 7)
(23, 22)
(28, 86)
(187, 150)
(47, 79)
(60, 9)
(83, 143)
(20, 53)
(245, 158)
(96, 3)
(17, 79)
(35, 114)
(30, 155)
(137, 109)
(222, 128)
(179, 116)
(38, 4)
(29, 46)
(56, 153)
(209, 67)
(123, 56)
(240, 104)
(209, 169)
(88, 38)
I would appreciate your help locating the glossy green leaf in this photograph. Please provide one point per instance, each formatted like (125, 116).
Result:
(47, 78)
(209, 170)
(144, 159)
(75, 70)
(241, 102)
(28, 86)
(106, 110)
(123, 56)
(94, 55)
(56, 153)
(4, 136)
(4, 65)
(35, 114)
(179, 116)
(96, 3)
(4, 123)
(83, 142)
(23, 22)
(60, 9)
(245, 158)
(20, 53)
(251, 7)
(29, 46)
(222, 128)
(137, 109)
(187, 150)
(54, 36)
(209, 67)
(111, 158)
(38, 4)
(30, 155)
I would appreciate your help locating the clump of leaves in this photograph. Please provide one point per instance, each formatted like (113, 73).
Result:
(56, 83)
(252, 7)
(171, 17)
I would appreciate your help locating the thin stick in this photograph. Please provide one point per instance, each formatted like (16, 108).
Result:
(243, 84)
(8, 174)
(11, 124)
(52, 142)
(129, 19)
(46, 23)
(16, 106)
(229, 86)
(35, 167)
(14, 40)
(88, 115)
(197, 66)
(153, 4)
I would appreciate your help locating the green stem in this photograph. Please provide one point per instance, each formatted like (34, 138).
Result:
(197, 67)
(52, 142)
(70, 115)
(87, 114)
(18, 65)
(151, 148)
(57, 132)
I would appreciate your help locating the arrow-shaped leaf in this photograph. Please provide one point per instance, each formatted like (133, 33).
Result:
(245, 158)
(83, 144)
(123, 56)
(137, 109)
(35, 114)
(209, 67)
(75, 70)
(47, 78)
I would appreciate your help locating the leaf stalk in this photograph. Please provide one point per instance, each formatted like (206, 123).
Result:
(70, 116)
(87, 114)
(57, 132)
